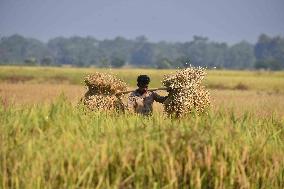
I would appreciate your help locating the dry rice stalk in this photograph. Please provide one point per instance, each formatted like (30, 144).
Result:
(101, 92)
(103, 103)
(187, 94)
(103, 83)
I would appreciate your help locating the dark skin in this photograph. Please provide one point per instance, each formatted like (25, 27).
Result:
(142, 88)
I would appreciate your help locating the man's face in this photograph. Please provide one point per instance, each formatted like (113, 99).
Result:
(142, 88)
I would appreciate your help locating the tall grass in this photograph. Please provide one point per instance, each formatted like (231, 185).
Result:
(62, 146)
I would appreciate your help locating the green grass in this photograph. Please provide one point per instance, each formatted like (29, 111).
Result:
(244, 80)
(61, 146)
(75, 75)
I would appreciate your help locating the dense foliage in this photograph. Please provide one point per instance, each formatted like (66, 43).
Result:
(267, 53)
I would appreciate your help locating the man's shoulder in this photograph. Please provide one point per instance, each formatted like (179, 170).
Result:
(134, 93)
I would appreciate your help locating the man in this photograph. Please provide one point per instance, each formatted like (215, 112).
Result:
(141, 100)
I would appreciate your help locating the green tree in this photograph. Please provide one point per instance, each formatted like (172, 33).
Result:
(163, 63)
(32, 61)
(143, 55)
(270, 49)
(117, 62)
(16, 49)
(46, 61)
(240, 56)
(181, 62)
(104, 63)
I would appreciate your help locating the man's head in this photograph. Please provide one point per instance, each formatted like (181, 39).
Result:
(142, 83)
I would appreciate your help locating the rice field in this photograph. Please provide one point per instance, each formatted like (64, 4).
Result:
(216, 79)
(47, 141)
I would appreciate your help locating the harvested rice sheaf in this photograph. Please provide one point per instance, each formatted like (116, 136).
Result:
(103, 103)
(103, 83)
(101, 92)
(187, 94)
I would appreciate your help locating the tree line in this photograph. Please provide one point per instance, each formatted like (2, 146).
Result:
(267, 53)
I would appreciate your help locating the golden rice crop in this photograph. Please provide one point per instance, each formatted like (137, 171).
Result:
(186, 94)
(102, 88)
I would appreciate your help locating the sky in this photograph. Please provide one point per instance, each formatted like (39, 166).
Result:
(228, 21)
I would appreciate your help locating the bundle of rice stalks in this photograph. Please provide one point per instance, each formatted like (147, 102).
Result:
(186, 94)
(101, 92)
(103, 103)
(102, 83)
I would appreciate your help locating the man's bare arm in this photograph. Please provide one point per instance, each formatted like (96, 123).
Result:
(159, 98)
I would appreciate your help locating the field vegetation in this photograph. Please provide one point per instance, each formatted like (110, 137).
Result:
(216, 79)
(47, 140)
